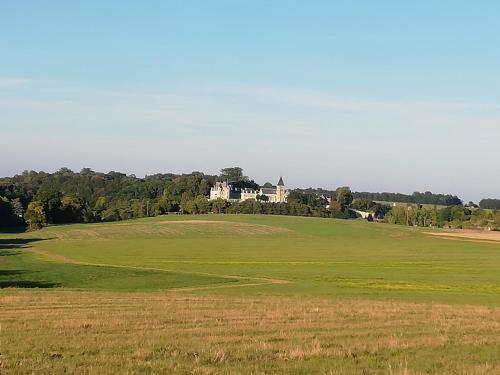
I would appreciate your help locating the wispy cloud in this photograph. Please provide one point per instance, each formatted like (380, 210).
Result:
(233, 110)
(319, 99)
(8, 82)
(206, 126)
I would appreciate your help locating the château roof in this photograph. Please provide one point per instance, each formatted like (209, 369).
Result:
(268, 190)
(280, 182)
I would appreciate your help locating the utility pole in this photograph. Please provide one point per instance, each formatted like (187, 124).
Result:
(147, 208)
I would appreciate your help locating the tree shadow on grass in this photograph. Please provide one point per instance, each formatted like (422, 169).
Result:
(9, 283)
(10, 278)
(19, 229)
(19, 242)
(27, 284)
(4, 252)
(7, 244)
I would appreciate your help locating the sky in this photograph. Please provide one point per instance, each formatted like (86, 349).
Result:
(376, 95)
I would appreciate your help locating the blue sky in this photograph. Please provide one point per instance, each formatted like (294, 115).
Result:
(377, 95)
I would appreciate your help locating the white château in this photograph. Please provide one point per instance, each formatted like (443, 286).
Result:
(226, 191)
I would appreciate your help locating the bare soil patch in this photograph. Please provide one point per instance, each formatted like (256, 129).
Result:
(469, 234)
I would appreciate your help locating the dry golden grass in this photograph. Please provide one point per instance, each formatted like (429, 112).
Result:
(468, 234)
(53, 332)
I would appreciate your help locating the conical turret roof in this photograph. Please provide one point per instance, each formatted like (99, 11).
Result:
(280, 182)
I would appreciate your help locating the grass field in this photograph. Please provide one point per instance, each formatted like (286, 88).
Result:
(247, 294)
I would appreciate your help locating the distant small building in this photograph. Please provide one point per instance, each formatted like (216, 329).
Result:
(226, 191)
(363, 214)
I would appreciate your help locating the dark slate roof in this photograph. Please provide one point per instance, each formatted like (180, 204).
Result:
(268, 190)
(233, 194)
(280, 182)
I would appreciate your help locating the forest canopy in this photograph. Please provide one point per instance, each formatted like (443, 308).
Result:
(37, 199)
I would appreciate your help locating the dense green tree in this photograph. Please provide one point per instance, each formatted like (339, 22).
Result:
(202, 205)
(35, 215)
(481, 218)
(246, 184)
(344, 197)
(232, 174)
(362, 204)
(496, 219)
(380, 210)
(110, 214)
(196, 205)
(397, 215)
(71, 209)
(219, 206)
(262, 198)
(493, 204)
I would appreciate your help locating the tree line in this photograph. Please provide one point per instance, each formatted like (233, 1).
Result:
(415, 198)
(492, 204)
(37, 199)
(448, 217)
(69, 197)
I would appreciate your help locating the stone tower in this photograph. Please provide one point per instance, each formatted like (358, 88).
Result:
(281, 191)
(220, 190)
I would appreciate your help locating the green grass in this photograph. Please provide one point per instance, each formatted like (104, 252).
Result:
(247, 295)
(317, 257)
(29, 271)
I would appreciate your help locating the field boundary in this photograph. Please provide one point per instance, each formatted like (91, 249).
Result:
(255, 281)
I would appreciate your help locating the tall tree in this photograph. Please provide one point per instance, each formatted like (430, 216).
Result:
(232, 174)
(219, 205)
(344, 197)
(35, 215)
